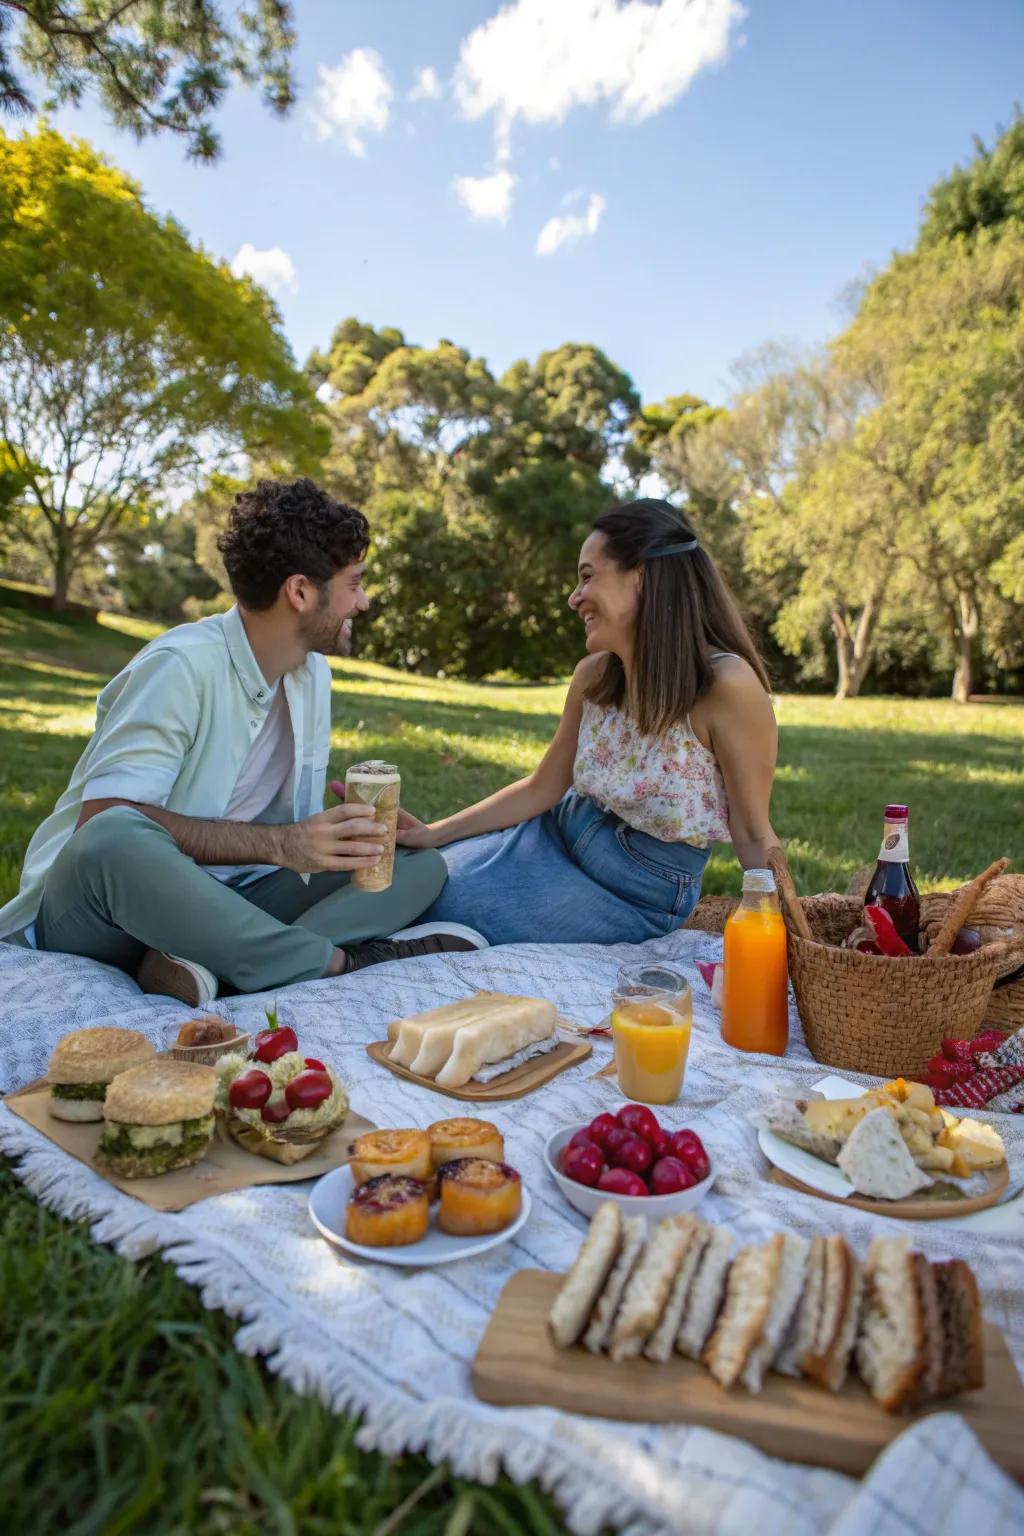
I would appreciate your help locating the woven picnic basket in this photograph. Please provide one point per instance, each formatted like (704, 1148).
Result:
(873, 1013)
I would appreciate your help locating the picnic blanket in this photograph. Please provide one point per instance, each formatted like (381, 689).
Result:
(396, 1345)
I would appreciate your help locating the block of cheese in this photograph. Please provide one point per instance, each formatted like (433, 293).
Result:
(835, 1117)
(975, 1145)
(407, 1035)
(876, 1161)
(503, 1028)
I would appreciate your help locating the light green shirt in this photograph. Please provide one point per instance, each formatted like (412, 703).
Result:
(173, 729)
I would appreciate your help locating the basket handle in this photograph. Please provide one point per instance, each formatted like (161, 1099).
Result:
(796, 917)
(962, 908)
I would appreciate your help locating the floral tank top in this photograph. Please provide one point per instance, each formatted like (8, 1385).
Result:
(669, 786)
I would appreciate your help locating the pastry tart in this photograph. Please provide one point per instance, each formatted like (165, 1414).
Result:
(478, 1196)
(463, 1137)
(400, 1152)
(387, 1212)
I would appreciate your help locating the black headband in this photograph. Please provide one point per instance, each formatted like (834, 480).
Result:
(685, 548)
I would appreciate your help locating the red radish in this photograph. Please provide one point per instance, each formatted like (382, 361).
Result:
(308, 1089)
(600, 1126)
(634, 1154)
(274, 1112)
(250, 1090)
(584, 1164)
(688, 1147)
(620, 1181)
(670, 1175)
(640, 1120)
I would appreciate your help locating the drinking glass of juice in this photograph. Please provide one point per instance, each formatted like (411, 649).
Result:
(651, 1034)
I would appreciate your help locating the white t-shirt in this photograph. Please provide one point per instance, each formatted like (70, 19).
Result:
(264, 777)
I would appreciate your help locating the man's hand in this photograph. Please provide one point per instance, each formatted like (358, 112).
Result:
(412, 833)
(343, 838)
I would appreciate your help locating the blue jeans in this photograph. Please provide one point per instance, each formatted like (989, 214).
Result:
(575, 875)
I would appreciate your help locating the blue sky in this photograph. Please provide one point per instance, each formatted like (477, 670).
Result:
(717, 173)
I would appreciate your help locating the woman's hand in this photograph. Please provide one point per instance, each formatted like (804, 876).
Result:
(413, 833)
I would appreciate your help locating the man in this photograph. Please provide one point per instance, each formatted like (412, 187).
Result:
(190, 845)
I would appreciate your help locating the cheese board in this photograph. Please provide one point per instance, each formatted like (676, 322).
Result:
(517, 1364)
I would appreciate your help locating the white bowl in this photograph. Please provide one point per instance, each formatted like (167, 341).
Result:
(588, 1200)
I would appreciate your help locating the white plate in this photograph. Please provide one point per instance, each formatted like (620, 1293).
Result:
(329, 1197)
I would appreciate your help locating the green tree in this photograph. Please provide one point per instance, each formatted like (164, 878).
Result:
(987, 193)
(156, 65)
(155, 567)
(130, 362)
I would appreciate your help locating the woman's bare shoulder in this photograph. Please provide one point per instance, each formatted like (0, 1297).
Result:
(589, 670)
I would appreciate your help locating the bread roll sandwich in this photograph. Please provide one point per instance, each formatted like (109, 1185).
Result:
(156, 1116)
(479, 1037)
(85, 1062)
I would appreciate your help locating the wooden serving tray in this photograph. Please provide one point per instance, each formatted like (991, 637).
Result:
(517, 1364)
(912, 1209)
(510, 1085)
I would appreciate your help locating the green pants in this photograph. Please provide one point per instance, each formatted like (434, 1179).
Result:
(121, 885)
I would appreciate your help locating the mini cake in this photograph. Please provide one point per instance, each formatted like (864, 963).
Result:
(463, 1137)
(387, 1212)
(405, 1153)
(478, 1196)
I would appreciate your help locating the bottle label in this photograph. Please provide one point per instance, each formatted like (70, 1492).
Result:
(895, 847)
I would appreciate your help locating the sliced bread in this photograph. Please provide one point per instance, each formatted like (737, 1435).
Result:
(662, 1341)
(803, 1325)
(891, 1345)
(648, 1289)
(599, 1331)
(571, 1308)
(751, 1285)
(707, 1292)
(963, 1341)
(785, 1297)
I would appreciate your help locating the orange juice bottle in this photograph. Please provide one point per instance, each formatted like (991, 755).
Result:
(755, 1016)
(651, 1036)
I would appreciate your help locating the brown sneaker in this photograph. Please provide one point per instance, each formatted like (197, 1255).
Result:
(187, 980)
(427, 939)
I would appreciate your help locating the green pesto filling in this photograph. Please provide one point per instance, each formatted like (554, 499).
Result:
(94, 1091)
(117, 1146)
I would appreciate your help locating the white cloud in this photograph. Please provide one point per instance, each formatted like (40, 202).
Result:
(273, 269)
(487, 197)
(568, 227)
(428, 86)
(536, 60)
(353, 99)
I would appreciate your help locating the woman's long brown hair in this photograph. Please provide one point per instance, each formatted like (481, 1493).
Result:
(686, 615)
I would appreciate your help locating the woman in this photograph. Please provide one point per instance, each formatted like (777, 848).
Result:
(666, 745)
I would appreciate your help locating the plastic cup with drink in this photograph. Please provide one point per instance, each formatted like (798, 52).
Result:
(377, 785)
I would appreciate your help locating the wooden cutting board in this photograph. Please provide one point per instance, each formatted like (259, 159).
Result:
(913, 1209)
(510, 1085)
(517, 1364)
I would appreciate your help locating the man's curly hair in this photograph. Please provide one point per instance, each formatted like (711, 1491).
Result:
(281, 529)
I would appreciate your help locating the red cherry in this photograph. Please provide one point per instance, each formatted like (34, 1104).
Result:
(634, 1154)
(274, 1113)
(308, 1089)
(658, 1142)
(583, 1138)
(272, 1043)
(583, 1163)
(620, 1181)
(311, 1061)
(640, 1120)
(616, 1138)
(600, 1126)
(250, 1090)
(669, 1175)
(688, 1147)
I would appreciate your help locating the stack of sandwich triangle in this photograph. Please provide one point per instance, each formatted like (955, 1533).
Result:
(800, 1308)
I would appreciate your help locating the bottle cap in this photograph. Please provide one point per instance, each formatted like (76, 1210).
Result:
(759, 880)
(896, 813)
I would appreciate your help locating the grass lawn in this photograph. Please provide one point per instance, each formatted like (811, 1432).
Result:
(125, 1407)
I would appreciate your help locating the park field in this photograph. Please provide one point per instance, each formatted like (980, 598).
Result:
(125, 1407)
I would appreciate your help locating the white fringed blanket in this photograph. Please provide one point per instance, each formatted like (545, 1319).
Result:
(395, 1345)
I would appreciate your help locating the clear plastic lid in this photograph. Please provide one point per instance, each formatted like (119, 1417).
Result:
(760, 881)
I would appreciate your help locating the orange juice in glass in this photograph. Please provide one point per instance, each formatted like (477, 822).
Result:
(755, 1011)
(651, 1033)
